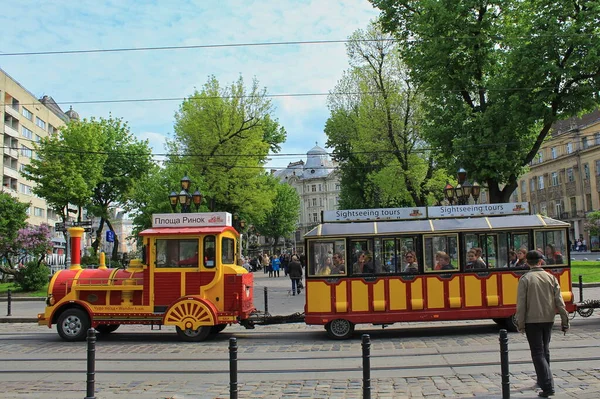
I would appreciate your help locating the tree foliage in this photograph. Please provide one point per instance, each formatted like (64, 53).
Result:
(222, 138)
(281, 220)
(497, 75)
(13, 217)
(374, 129)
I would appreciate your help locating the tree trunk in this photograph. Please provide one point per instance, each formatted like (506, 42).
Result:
(115, 248)
(98, 240)
(497, 196)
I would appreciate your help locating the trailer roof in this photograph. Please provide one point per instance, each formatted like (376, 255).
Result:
(186, 230)
(436, 225)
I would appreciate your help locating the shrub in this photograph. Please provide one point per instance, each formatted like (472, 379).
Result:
(90, 260)
(33, 277)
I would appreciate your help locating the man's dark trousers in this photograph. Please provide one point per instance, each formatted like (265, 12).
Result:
(538, 335)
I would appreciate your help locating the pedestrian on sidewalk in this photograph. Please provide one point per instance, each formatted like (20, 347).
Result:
(538, 298)
(295, 272)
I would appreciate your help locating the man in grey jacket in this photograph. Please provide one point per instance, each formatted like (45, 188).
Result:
(538, 299)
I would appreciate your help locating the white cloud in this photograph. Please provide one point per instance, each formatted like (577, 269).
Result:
(87, 24)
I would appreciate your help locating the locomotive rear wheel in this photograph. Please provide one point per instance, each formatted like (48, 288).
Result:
(73, 325)
(190, 335)
(106, 328)
(339, 329)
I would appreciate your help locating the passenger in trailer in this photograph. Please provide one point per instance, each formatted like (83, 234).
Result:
(339, 266)
(473, 261)
(438, 265)
(445, 262)
(364, 264)
(512, 259)
(521, 259)
(553, 257)
(411, 263)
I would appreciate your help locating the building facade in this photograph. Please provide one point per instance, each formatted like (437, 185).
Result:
(26, 121)
(318, 186)
(564, 179)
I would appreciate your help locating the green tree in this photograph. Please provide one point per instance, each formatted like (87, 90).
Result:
(497, 75)
(592, 222)
(223, 136)
(67, 166)
(281, 220)
(374, 129)
(128, 160)
(13, 217)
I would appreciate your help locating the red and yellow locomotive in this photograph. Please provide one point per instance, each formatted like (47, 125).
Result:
(187, 278)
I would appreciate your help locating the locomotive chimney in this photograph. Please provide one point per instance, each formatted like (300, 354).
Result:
(76, 233)
(102, 262)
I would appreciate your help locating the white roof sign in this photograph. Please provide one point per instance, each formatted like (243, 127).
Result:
(205, 219)
(350, 215)
(454, 211)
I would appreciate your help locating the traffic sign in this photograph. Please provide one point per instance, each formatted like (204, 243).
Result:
(85, 223)
(59, 226)
(87, 229)
(110, 236)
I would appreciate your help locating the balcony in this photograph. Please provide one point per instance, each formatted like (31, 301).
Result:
(10, 151)
(572, 215)
(10, 172)
(12, 111)
(9, 130)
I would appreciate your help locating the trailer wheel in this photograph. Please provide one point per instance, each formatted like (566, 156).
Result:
(73, 325)
(190, 335)
(106, 328)
(339, 329)
(217, 329)
(511, 323)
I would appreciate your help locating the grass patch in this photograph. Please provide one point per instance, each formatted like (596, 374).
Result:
(590, 270)
(16, 291)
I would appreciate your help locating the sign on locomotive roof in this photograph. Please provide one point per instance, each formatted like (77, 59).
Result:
(208, 219)
(431, 212)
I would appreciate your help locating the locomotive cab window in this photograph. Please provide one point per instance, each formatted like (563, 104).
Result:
(228, 250)
(553, 245)
(176, 253)
(209, 251)
(441, 253)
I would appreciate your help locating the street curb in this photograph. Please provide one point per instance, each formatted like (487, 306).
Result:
(9, 319)
(23, 298)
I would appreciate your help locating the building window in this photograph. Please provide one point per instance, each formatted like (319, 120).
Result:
(27, 114)
(26, 151)
(28, 134)
(25, 189)
(315, 217)
(553, 152)
(314, 202)
(38, 212)
(523, 187)
(38, 138)
(570, 176)
(586, 171)
(573, 202)
(320, 188)
(52, 129)
(543, 209)
(584, 142)
(597, 138)
(540, 157)
(597, 168)
(540, 182)
(320, 201)
(569, 148)
(337, 187)
(314, 188)
(558, 206)
(40, 123)
(554, 179)
(532, 185)
(588, 202)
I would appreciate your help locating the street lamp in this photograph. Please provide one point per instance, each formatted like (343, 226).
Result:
(463, 191)
(184, 198)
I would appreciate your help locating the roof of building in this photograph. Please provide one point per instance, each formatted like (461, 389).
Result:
(318, 165)
(576, 122)
(54, 107)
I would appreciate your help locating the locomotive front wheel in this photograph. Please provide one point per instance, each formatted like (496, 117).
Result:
(190, 335)
(339, 329)
(73, 325)
(106, 328)
(218, 328)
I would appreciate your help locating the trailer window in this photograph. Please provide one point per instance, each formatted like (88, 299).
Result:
(209, 251)
(327, 258)
(445, 249)
(176, 253)
(553, 245)
(228, 250)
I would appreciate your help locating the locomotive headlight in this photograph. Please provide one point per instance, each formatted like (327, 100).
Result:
(50, 300)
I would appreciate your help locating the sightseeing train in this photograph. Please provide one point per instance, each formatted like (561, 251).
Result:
(356, 272)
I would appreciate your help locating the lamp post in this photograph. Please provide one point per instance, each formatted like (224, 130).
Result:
(184, 198)
(463, 191)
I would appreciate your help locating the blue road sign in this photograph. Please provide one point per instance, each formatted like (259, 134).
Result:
(110, 236)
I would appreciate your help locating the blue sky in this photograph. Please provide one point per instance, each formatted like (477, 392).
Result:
(30, 26)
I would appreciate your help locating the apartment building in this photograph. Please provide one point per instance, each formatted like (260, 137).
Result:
(26, 121)
(564, 179)
(318, 186)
